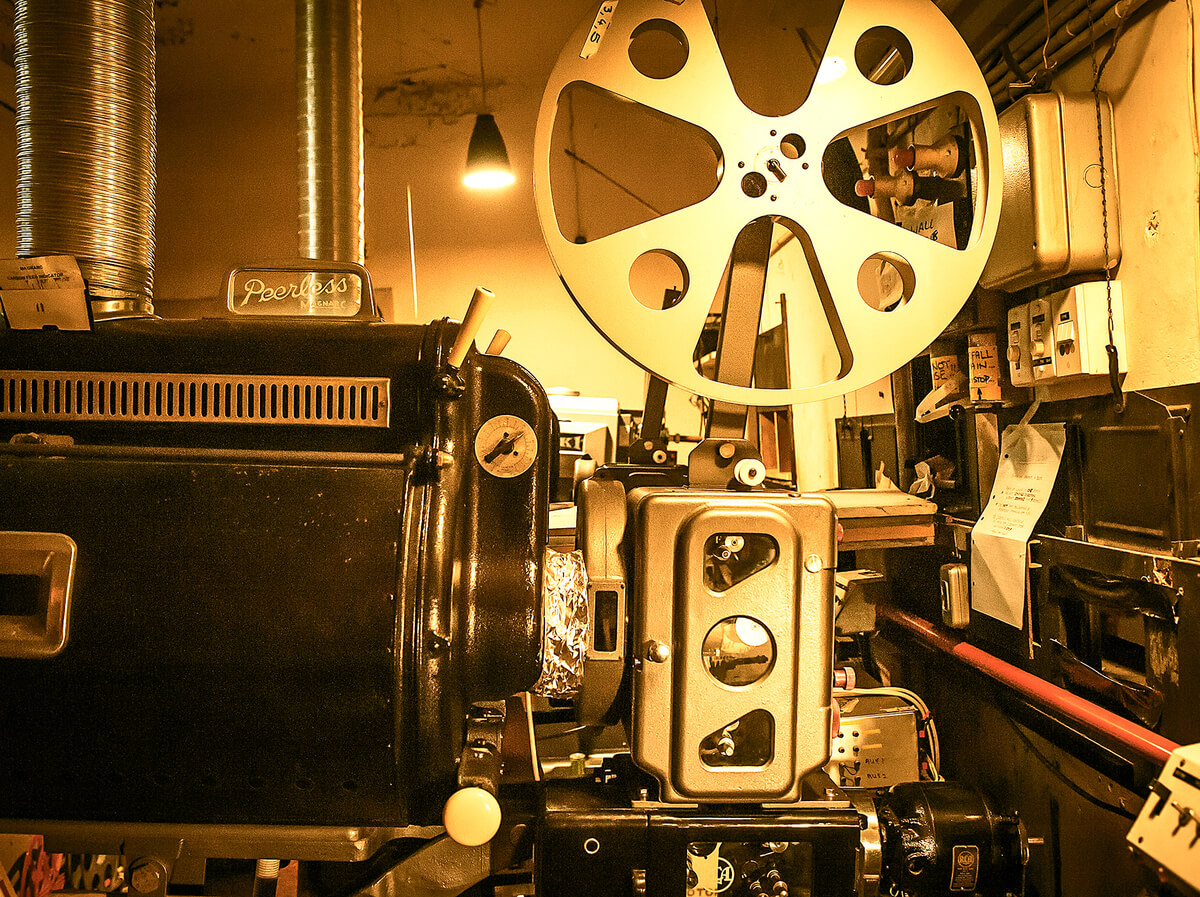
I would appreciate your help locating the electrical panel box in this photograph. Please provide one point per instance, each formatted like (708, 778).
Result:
(1065, 335)
(1041, 347)
(1081, 329)
(1058, 191)
(1167, 830)
(1020, 364)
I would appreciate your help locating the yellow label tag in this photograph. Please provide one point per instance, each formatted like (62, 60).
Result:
(603, 17)
(983, 364)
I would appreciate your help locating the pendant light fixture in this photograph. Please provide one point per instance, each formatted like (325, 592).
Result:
(487, 157)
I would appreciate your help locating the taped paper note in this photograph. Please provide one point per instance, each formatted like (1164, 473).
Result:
(1030, 455)
(44, 292)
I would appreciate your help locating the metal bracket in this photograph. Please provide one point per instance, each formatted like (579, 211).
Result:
(725, 464)
(479, 765)
(440, 868)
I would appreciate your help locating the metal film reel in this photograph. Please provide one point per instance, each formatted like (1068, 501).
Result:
(838, 239)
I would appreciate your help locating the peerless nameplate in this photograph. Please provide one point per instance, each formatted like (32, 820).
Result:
(302, 289)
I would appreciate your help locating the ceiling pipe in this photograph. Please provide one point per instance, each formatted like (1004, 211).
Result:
(330, 129)
(86, 144)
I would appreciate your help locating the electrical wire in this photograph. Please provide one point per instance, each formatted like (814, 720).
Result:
(563, 734)
(479, 30)
(1056, 770)
(527, 702)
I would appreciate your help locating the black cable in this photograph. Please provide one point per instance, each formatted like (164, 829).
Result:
(575, 731)
(1053, 767)
(1117, 33)
(1019, 74)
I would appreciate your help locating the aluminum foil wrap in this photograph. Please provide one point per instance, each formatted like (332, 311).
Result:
(564, 624)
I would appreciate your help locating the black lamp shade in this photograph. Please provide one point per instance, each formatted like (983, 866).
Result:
(487, 157)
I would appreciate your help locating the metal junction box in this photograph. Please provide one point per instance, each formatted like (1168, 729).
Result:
(1051, 215)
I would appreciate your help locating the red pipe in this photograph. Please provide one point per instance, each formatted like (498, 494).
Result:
(1137, 739)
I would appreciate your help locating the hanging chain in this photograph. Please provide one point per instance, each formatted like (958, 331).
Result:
(1114, 361)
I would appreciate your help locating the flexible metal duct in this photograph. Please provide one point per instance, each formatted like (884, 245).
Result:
(86, 143)
(330, 125)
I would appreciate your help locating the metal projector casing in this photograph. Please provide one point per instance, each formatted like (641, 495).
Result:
(677, 703)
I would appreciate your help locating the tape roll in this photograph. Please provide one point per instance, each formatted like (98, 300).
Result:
(839, 240)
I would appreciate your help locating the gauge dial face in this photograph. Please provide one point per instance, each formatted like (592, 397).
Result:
(506, 446)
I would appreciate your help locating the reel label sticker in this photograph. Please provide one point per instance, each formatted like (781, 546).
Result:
(603, 17)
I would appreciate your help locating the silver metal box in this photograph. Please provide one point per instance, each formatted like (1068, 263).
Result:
(877, 749)
(1051, 214)
(733, 642)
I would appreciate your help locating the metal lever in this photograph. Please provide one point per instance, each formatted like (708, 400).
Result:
(498, 343)
(476, 312)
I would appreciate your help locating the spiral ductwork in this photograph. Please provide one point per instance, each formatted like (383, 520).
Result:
(86, 144)
(330, 128)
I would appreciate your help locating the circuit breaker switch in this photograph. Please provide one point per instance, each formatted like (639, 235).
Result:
(1065, 336)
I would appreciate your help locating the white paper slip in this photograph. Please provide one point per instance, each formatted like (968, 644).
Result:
(1030, 455)
(49, 291)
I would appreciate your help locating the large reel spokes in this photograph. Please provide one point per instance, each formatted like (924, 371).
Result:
(775, 167)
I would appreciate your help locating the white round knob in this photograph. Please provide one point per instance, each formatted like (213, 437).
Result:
(471, 816)
(749, 472)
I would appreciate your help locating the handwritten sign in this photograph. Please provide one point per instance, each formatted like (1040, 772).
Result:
(983, 367)
(943, 368)
(934, 221)
(1030, 455)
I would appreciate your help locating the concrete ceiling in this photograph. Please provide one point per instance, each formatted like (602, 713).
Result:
(419, 59)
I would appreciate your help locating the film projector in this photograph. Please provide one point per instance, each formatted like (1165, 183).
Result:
(271, 581)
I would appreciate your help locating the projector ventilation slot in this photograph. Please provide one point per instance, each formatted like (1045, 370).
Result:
(194, 398)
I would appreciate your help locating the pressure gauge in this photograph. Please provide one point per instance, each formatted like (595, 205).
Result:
(506, 446)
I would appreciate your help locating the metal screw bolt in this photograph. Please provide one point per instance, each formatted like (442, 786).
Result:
(639, 882)
(145, 877)
(812, 563)
(726, 450)
(657, 652)
(754, 184)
